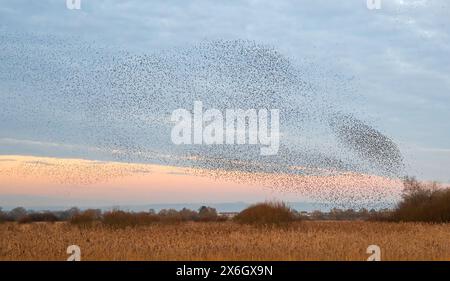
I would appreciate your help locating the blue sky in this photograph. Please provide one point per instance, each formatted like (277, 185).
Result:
(396, 60)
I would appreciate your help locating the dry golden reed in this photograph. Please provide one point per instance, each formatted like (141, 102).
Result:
(306, 240)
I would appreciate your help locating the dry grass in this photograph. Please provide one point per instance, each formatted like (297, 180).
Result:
(306, 240)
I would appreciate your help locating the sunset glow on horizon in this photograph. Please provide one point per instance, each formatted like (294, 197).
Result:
(115, 183)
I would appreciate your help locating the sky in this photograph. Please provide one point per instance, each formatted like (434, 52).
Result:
(393, 64)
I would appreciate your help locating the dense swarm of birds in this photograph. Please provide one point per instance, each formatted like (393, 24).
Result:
(71, 92)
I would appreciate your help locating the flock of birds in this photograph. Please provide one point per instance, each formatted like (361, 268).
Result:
(72, 92)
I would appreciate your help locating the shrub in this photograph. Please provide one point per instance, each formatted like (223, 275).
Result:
(85, 218)
(169, 215)
(39, 217)
(188, 215)
(207, 214)
(121, 219)
(426, 202)
(222, 218)
(381, 215)
(266, 213)
(68, 214)
(2, 216)
(17, 213)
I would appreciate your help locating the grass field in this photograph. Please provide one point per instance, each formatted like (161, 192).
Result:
(308, 240)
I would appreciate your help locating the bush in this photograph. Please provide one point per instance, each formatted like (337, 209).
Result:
(426, 202)
(170, 215)
(266, 213)
(121, 219)
(222, 218)
(207, 214)
(68, 214)
(188, 215)
(39, 217)
(381, 215)
(2, 216)
(17, 214)
(85, 218)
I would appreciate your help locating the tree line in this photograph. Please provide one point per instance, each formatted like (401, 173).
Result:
(420, 202)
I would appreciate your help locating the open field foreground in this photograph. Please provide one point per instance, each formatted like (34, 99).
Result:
(309, 240)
